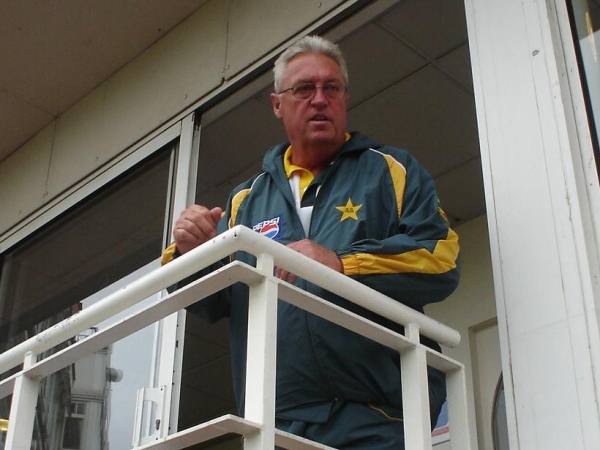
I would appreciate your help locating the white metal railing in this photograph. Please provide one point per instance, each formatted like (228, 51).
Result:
(257, 426)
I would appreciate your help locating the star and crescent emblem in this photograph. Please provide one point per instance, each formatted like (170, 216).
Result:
(349, 210)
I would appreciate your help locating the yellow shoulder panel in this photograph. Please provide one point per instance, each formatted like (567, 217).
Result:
(167, 255)
(398, 174)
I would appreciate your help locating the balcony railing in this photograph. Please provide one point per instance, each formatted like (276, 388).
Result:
(257, 426)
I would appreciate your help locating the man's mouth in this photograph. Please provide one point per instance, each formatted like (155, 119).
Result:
(319, 118)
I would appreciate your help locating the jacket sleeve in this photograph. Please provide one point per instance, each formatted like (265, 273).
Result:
(419, 263)
(214, 307)
(217, 305)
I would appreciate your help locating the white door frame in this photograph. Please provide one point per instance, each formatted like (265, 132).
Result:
(543, 206)
(170, 357)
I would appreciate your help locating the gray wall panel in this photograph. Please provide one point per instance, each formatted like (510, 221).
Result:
(224, 38)
(178, 70)
(23, 179)
(256, 27)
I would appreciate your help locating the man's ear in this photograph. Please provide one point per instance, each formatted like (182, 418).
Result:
(276, 102)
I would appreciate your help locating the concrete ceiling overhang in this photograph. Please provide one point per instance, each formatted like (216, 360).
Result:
(55, 52)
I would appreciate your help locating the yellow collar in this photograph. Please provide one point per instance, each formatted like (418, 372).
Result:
(289, 167)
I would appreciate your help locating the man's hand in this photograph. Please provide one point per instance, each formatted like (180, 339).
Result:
(314, 251)
(196, 225)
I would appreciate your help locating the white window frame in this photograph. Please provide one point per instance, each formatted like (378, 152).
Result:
(181, 193)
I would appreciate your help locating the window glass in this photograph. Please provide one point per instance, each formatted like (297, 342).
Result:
(586, 24)
(3, 425)
(72, 434)
(116, 233)
(112, 234)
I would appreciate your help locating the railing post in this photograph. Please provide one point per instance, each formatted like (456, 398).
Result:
(460, 430)
(22, 409)
(259, 428)
(415, 393)
(261, 360)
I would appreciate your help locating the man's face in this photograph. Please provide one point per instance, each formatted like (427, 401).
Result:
(318, 120)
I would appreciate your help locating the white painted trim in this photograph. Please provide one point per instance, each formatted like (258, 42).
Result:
(261, 364)
(23, 406)
(542, 200)
(480, 65)
(170, 358)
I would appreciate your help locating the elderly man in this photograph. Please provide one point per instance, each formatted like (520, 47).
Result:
(363, 209)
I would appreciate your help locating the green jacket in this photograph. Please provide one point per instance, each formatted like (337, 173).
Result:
(377, 207)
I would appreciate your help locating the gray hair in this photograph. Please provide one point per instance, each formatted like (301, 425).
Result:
(308, 44)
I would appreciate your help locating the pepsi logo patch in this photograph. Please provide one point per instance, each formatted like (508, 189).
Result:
(271, 228)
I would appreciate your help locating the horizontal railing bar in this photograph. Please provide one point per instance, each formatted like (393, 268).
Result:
(199, 289)
(215, 428)
(237, 239)
(341, 316)
(135, 292)
(292, 442)
(339, 284)
(227, 243)
(352, 321)
(204, 287)
(8, 384)
(443, 362)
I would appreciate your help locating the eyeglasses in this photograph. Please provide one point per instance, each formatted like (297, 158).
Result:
(304, 91)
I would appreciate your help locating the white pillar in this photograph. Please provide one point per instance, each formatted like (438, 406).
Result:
(542, 203)
(415, 393)
(261, 361)
(22, 409)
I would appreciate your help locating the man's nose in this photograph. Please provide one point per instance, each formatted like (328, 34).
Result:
(319, 95)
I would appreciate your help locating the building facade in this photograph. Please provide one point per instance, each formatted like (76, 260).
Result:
(500, 101)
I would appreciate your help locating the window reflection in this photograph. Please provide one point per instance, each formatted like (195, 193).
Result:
(121, 371)
(585, 16)
(58, 272)
(117, 231)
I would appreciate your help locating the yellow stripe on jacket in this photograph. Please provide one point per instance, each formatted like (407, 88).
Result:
(441, 260)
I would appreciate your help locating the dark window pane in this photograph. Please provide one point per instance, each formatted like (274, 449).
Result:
(585, 20)
(96, 243)
(73, 431)
(45, 279)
